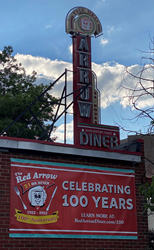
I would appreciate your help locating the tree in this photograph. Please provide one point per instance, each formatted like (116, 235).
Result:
(138, 87)
(138, 92)
(17, 91)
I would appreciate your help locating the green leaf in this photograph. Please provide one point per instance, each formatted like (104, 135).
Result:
(17, 91)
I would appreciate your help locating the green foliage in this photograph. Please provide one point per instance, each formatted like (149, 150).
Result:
(17, 91)
(147, 190)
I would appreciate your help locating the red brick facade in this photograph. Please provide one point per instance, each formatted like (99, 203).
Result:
(64, 244)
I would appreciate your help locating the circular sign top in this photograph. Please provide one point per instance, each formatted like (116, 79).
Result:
(83, 21)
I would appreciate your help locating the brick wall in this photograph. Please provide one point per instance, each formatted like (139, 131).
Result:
(78, 244)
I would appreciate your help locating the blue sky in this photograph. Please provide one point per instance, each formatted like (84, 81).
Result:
(37, 27)
(36, 30)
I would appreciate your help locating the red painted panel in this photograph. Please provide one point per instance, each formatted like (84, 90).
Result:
(66, 200)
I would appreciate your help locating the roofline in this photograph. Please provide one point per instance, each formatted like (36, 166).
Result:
(59, 148)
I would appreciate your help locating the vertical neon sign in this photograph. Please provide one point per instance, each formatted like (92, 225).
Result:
(82, 24)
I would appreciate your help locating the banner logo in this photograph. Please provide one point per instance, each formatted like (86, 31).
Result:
(35, 195)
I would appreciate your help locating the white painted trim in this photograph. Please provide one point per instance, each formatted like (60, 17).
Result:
(75, 171)
(67, 149)
(76, 231)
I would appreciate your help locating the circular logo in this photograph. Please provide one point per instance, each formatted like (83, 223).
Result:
(37, 196)
(86, 25)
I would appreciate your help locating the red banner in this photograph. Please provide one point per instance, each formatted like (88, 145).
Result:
(64, 200)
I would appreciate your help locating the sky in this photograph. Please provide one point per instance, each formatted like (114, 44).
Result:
(36, 31)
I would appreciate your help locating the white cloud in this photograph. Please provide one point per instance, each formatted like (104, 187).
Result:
(44, 66)
(71, 49)
(109, 79)
(59, 132)
(132, 85)
(113, 29)
(110, 29)
(104, 42)
(47, 72)
(48, 26)
(110, 76)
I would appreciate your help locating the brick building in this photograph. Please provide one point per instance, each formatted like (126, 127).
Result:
(58, 153)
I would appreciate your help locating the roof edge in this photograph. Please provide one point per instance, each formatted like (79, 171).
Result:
(59, 148)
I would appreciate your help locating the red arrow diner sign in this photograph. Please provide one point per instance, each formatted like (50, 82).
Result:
(83, 24)
(64, 200)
